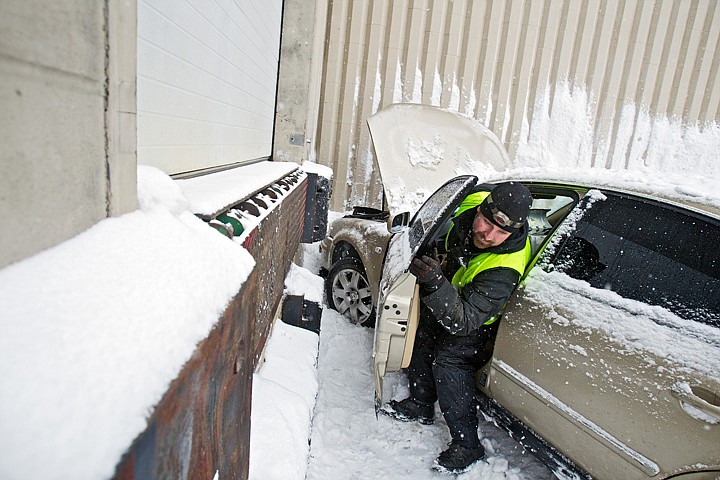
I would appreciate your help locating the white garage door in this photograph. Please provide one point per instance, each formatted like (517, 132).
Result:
(206, 81)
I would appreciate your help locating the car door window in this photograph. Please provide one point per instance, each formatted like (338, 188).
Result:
(427, 223)
(647, 251)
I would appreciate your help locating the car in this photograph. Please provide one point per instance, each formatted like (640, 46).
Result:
(606, 363)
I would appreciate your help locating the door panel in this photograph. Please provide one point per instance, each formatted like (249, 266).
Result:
(612, 382)
(398, 306)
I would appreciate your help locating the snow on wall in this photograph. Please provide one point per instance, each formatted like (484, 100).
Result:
(132, 294)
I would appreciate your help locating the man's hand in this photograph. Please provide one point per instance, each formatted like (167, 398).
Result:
(428, 272)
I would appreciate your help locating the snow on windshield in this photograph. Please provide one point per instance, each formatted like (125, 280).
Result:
(399, 256)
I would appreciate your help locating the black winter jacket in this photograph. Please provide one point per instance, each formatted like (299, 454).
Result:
(464, 311)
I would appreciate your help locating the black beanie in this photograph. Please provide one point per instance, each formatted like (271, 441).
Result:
(507, 206)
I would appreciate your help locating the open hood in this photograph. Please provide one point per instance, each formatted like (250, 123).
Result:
(418, 148)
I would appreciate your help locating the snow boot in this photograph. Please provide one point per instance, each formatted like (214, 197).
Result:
(458, 458)
(410, 410)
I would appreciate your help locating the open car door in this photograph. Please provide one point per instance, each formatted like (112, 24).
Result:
(398, 306)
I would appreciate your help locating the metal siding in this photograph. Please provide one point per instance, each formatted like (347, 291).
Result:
(506, 61)
(206, 81)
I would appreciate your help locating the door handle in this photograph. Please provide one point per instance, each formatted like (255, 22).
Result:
(700, 398)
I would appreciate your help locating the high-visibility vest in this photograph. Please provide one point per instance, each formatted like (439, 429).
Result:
(487, 260)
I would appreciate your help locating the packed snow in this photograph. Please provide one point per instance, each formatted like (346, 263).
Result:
(79, 320)
(208, 194)
(347, 440)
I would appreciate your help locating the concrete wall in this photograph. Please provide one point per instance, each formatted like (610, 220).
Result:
(55, 164)
(301, 56)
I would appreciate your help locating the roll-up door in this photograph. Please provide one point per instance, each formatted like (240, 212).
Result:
(206, 82)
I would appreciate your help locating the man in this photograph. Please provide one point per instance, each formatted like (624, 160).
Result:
(487, 252)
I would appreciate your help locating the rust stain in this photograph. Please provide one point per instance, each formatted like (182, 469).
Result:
(202, 423)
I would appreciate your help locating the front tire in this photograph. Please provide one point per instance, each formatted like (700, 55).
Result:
(348, 292)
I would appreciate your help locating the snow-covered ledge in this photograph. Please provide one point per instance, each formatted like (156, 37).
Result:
(210, 194)
(95, 329)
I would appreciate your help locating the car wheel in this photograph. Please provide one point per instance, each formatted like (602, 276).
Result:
(348, 292)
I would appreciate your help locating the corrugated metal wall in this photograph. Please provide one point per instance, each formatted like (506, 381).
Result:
(506, 62)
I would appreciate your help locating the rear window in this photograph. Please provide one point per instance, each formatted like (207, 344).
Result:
(647, 251)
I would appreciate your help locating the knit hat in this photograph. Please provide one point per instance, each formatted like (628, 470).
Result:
(507, 205)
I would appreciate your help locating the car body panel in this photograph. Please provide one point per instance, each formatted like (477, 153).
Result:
(592, 373)
(418, 148)
(393, 346)
(606, 396)
(395, 332)
(610, 402)
(368, 240)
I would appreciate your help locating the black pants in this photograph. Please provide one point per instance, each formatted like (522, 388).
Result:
(442, 368)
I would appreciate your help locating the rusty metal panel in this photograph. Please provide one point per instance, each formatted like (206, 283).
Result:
(202, 423)
(273, 245)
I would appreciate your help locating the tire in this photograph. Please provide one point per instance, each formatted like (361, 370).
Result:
(348, 291)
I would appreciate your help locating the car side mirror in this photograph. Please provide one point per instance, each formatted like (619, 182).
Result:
(397, 222)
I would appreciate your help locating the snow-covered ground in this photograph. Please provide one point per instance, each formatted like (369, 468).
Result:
(347, 440)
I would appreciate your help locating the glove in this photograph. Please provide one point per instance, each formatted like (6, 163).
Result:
(428, 272)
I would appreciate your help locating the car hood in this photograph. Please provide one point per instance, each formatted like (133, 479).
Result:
(418, 148)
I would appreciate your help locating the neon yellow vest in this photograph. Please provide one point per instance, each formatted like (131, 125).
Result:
(485, 261)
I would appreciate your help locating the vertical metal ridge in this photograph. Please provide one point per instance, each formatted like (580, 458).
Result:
(330, 98)
(659, 95)
(711, 100)
(372, 21)
(607, 52)
(422, 59)
(471, 40)
(511, 64)
(393, 22)
(493, 26)
(414, 25)
(434, 42)
(499, 99)
(678, 96)
(454, 27)
(526, 56)
(541, 70)
(696, 81)
(354, 55)
(627, 75)
(562, 38)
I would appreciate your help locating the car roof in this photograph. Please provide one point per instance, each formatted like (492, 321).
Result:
(695, 206)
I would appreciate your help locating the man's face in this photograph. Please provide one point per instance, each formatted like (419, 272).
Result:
(485, 233)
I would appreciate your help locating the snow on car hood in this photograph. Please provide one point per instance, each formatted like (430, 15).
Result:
(418, 148)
